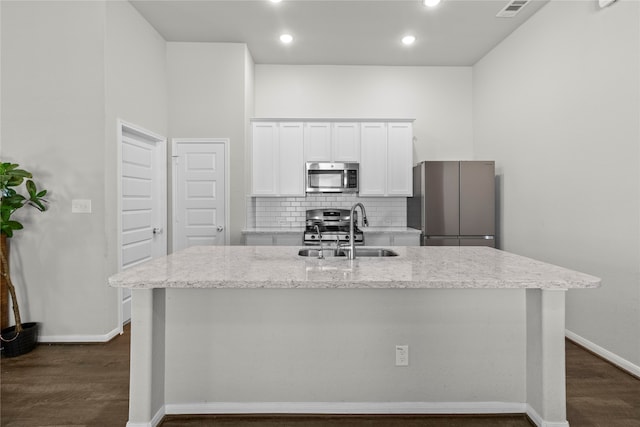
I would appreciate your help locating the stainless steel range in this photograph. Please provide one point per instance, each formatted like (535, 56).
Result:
(329, 226)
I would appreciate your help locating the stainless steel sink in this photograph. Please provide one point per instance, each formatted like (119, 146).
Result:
(361, 251)
(315, 252)
(373, 252)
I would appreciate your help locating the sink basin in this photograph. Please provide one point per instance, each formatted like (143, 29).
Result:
(314, 252)
(373, 252)
(342, 252)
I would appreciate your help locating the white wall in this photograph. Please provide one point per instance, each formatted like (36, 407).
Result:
(53, 124)
(207, 99)
(557, 104)
(59, 104)
(136, 93)
(439, 98)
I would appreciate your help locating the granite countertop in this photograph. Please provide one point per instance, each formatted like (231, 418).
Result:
(414, 267)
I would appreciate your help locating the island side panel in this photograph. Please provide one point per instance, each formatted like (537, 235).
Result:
(147, 370)
(338, 345)
(546, 383)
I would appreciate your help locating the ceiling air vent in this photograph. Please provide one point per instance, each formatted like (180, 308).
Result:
(512, 9)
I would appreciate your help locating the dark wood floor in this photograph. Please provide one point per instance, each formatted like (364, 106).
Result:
(88, 385)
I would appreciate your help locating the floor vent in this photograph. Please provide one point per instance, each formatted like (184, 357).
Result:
(512, 9)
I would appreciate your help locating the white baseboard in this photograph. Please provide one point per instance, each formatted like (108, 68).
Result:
(155, 421)
(604, 353)
(79, 338)
(210, 408)
(539, 422)
(357, 408)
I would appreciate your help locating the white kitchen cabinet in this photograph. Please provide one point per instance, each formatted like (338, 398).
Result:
(273, 239)
(345, 142)
(317, 141)
(373, 159)
(291, 154)
(277, 159)
(399, 159)
(391, 238)
(386, 159)
(264, 155)
(332, 142)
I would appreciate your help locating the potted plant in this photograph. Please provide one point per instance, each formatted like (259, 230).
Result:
(22, 337)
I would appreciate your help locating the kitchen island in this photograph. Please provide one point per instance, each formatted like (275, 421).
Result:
(240, 329)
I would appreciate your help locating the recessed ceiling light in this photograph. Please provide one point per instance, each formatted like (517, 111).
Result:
(275, 1)
(286, 38)
(431, 3)
(408, 40)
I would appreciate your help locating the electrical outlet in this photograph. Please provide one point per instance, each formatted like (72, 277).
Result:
(402, 355)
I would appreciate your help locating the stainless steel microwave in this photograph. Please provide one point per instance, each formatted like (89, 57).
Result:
(331, 177)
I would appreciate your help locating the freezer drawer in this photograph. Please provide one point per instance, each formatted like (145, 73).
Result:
(459, 241)
(440, 241)
(477, 241)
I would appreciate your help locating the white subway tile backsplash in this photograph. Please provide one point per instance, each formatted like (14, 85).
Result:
(291, 211)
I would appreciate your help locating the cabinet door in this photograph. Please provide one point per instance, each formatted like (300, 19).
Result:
(377, 239)
(406, 239)
(317, 142)
(258, 240)
(290, 169)
(400, 159)
(288, 239)
(346, 142)
(373, 159)
(264, 159)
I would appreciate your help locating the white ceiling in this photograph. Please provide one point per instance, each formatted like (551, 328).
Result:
(341, 32)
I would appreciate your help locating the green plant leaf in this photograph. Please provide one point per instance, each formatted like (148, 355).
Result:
(31, 188)
(12, 177)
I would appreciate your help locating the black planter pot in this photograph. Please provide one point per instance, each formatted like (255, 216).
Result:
(23, 343)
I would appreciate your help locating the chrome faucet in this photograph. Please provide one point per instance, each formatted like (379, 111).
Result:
(352, 247)
(321, 253)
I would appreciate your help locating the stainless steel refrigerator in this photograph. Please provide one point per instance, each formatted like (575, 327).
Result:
(453, 203)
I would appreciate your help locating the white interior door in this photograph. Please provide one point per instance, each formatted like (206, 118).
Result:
(143, 206)
(200, 192)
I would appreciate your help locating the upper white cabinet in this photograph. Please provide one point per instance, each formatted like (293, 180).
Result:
(399, 159)
(383, 148)
(317, 141)
(345, 142)
(265, 158)
(386, 159)
(278, 159)
(373, 159)
(332, 142)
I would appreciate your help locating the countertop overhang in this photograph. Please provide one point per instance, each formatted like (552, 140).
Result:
(280, 267)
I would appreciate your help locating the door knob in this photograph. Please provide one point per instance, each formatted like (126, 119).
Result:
(220, 228)
(157, 230)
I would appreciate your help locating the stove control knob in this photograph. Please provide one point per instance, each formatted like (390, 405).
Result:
(346, 237)
(313, 236)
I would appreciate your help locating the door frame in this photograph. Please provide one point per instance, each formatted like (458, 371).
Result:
(175, 142)
(161, 158)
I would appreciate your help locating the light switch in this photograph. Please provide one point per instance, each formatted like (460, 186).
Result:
(402, 355)
(81, 206)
